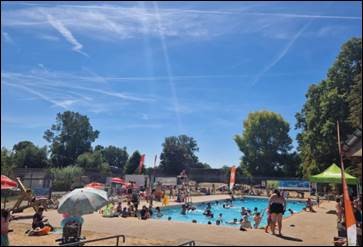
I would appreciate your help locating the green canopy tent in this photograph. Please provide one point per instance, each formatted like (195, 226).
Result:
(332, 175)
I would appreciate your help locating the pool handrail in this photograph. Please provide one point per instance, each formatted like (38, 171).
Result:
(97, 239)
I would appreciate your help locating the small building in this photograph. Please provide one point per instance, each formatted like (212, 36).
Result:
(352, 148)
(201, 175)
(34, 177)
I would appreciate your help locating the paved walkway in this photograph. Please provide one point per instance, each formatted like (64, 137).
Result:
(300, 229)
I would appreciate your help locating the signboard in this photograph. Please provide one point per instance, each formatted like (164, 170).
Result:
(299, 185)
(272, 184)
(166, 180)
(138, 179)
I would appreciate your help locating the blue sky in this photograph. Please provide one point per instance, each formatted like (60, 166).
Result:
(142, 71)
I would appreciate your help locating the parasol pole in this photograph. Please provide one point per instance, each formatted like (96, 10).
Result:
(350, 221)
(6, 194)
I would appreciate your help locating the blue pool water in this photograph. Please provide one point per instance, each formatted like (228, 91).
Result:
(228, 214)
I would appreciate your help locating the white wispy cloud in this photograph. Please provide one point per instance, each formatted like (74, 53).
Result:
(25, 122)
(281, 54)
(145, 116)
(308, 16)
(116, 22)
(40, 95)
(66, 33)
(7, 37)
(48, 37)
(68, 91)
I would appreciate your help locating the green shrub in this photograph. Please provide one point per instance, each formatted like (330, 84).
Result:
(65, 177)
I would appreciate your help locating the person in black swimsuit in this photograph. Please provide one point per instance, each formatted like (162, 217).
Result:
(277, 206)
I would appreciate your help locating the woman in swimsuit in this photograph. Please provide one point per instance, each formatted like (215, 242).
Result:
(277, 206)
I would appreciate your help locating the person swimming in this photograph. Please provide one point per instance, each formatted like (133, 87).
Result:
(158, 213)
(184, 210)
(245, 223)
(244, 211)
(290, 210)
(208, 213)
(226, 206)
(220, 218)
(257, 219)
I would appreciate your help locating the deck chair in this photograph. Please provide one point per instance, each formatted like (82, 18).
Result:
(71, 233)
(26, 195)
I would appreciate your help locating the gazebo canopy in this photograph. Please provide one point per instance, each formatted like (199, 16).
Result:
(333, 175)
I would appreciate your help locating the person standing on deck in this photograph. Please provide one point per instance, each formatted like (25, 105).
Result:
(277, 208)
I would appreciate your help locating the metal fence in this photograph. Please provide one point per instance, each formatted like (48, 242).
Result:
(96, 240)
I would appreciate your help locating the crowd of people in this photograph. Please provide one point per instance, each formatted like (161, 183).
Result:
(244, 222)
(131, 209)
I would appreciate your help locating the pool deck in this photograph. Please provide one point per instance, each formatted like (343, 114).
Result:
(303, 228)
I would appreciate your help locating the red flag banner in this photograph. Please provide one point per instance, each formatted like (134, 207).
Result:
(350, 222)
(141, 164)
(232, 178)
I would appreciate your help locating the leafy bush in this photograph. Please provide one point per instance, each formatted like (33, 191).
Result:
(65, 177)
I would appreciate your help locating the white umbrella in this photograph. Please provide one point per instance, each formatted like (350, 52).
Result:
(82, 201)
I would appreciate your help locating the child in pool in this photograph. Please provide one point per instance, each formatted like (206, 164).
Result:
(246, 223)
(158, 213)
(257, 218)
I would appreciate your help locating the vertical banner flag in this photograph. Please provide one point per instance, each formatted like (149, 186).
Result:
(156, 157)
(141, 164)
(348, 209)
(154, 170)
(232, 178)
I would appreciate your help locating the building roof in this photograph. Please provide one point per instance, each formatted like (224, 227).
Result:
(353, 145)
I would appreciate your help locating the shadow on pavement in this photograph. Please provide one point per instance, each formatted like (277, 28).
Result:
(289, 238)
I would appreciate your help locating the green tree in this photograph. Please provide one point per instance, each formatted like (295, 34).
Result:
(178, 154)
(93, 160)
(115, 156)
(70, 136)
(355, 102)
(7, 164)
(265, 144)
(291, 166)
(90, 160)
(65, 177)
(132, 163)
(26, 154)
(332, 99)
(203, 165)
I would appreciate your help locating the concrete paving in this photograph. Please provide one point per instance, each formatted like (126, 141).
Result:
(304, 228)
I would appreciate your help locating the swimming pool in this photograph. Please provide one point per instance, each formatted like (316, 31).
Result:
(228, 214)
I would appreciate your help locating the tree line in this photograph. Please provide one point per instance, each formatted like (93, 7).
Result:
(265, 142)
(70, 145)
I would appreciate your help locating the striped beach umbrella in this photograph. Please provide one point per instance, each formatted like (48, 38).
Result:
(95, 185)
(82, 201)
(7, 183)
